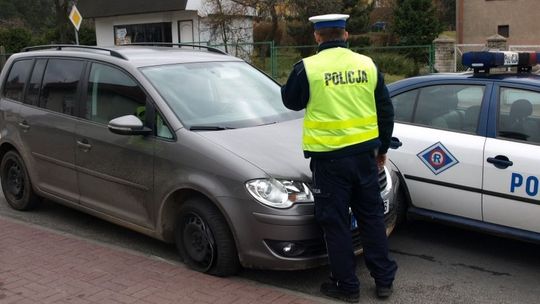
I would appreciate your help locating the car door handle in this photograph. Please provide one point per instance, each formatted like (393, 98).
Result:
(500, 161)
(84, 145)
(395, 143)
(24, 125)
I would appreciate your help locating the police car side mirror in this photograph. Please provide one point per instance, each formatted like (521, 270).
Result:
(128, 125)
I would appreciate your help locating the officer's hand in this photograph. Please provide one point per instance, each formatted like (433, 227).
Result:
(381, 160)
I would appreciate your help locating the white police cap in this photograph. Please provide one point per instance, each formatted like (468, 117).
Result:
(329, 20)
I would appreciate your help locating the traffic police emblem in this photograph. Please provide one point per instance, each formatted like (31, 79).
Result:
(437, 158)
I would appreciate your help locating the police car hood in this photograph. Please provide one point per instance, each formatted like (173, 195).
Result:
(276, 148)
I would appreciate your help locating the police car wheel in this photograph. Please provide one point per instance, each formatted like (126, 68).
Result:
(204, 240)
(16, 183)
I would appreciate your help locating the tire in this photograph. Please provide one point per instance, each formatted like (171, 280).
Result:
(16, 183)
(204, 240)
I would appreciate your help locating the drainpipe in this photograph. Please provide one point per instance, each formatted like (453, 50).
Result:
(459, 21)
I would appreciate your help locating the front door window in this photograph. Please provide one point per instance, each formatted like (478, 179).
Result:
(111, 94)
(519, 115)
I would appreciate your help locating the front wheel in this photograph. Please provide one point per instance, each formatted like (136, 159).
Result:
(204, 240)
(16, 183)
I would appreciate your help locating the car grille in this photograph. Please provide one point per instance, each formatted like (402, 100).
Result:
(317, 247)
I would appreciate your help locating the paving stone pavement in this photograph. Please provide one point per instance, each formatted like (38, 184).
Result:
(38, 265)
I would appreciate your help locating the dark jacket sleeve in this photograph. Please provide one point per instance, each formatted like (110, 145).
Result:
(295, 93)
(385, 113)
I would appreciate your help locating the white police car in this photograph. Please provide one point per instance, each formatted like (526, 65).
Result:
(467, 145)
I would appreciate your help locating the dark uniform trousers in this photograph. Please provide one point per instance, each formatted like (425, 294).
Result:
(340, 183)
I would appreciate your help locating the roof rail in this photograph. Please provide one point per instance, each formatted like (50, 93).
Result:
(209, 48)
(86, 47)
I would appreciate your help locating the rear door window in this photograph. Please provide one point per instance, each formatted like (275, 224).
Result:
(60, 85)
(447, 107)
(34, 85)
(14, 86)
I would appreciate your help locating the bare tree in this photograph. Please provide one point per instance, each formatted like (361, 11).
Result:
(226, 21)
(266, 9)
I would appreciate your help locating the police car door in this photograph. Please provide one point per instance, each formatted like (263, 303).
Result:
(441, 153)
(512, 160)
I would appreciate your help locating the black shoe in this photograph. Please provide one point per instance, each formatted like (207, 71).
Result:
(333, 291)
(384, 292)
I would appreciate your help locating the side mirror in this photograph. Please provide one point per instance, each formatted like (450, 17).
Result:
(128, 125)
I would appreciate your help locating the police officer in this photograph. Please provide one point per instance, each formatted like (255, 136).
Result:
(347, 128)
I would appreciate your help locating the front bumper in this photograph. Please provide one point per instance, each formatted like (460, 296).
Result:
(290, 239)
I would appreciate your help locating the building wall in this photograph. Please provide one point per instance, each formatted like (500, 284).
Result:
(241, 27)
(194, 5)
(480, 19)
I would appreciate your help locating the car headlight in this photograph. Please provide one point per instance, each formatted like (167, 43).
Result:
(279, 193)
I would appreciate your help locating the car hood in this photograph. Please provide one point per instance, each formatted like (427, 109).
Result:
(276, 148)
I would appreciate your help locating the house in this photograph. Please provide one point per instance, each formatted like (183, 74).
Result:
(187, 21)
(513, 19)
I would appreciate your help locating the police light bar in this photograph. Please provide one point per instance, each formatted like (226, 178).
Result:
(483, 61)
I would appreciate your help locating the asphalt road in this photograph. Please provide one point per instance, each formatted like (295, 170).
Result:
(437, 263)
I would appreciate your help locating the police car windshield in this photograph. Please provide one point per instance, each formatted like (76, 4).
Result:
(225, 94)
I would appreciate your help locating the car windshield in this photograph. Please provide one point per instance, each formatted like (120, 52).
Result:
(219, 95)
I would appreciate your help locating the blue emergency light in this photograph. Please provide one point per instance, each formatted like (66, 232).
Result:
(481, 62)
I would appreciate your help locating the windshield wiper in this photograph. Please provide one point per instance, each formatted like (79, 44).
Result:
(209, 128)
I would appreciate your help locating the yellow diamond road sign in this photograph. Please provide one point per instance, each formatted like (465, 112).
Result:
(75, 17)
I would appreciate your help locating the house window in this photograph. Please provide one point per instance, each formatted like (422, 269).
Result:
(503, 30)
(149, 32)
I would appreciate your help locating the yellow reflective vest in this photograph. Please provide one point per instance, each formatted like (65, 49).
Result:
(341, 110)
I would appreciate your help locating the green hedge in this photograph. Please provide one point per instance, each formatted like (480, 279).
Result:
(395, 64)
(15, 39)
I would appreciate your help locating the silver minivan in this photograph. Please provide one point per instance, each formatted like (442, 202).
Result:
(187, 145)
